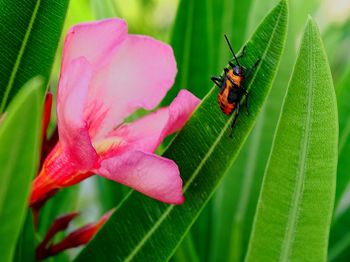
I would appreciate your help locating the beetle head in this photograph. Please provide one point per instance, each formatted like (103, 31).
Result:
(238, 70)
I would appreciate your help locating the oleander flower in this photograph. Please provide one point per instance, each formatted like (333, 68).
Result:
(106, 75)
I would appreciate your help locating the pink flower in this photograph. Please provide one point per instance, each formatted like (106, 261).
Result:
(106, 75)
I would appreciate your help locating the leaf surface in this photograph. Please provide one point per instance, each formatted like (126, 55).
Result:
(296, 202)
(19, 156)
(339, 245)
(236, 199)
(29, 35)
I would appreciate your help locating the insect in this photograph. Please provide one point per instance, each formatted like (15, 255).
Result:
(231, 84)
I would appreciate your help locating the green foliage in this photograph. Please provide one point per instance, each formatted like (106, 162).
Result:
(336, 39)
(343, 96)
(104, 8)
(19, 156)
(191, 44)
(296, 202)
(236, 200)
(198, 41)
(222, 177)
(339, 249)
(202, 165)
(25, 249)
(29, 35)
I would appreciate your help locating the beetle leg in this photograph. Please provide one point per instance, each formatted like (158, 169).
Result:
(256, 64)
(252, 69)
(245, 93)
(246, 103)
(234, 119)
(232, 65)
(217, 80)
(242, 53)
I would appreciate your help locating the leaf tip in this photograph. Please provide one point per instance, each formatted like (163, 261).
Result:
(283, 4)
(310, 21)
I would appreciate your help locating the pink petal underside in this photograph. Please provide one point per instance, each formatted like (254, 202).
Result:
(140, 72)
(71, 100)
(149, 174)
(147, 133)
(94, 41)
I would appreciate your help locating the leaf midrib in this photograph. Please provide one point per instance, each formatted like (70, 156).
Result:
(212, 148)
(19, 57)
(304, 145)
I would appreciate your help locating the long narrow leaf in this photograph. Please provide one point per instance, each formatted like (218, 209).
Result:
(238, 196)
(206, 52)
(19, 156)
(235, 200)
(25, 248)
(296, 203)
(142, 229)
(339, 245)
(343, 95)
(29, 35)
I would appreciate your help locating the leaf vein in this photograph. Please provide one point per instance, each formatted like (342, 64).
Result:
(300, 178)
(19, 57)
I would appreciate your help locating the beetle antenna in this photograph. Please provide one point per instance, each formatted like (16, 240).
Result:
(228, 42)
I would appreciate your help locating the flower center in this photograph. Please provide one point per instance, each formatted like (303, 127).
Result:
(108, 144)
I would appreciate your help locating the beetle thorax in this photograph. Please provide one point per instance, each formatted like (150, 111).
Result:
(235, 78)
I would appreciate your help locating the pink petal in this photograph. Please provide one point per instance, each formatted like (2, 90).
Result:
(71, 100)
(147, 133)
(140, 72)
(94, 41)
(149, 174)
(63, 167)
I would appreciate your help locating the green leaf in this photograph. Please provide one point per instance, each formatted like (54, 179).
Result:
(110, 194)
(201, 53)
(186, 251)
(203, 151)
(206, 53)
(340, 236)
(237, 198)
(296, 202)
(234, 203)
(29, 35)
(227, 17)
(19, 156)
(190, 42)
(339, 240)
(25, 249)
(343, 96)
(104, 8)
(336, 39)
(198, 43)
(215, 221)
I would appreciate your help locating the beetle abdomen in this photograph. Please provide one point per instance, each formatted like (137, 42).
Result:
(226, 107)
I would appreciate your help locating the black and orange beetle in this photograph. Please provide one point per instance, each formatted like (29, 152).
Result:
(231, 86)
